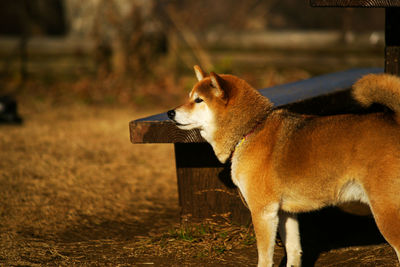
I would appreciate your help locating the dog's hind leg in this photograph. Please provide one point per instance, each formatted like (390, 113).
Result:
(265, 221)
(388, 221)
(289, 232)
(386, 210)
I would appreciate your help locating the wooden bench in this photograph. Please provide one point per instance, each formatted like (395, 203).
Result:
(204, 185)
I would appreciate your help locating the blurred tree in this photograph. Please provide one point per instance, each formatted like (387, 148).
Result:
(38, 17)
(127, 34)
(26, 18)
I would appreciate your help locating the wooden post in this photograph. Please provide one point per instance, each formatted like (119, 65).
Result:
(205, 186)
(392, 38)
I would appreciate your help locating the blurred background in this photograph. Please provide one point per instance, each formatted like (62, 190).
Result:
(131, 51)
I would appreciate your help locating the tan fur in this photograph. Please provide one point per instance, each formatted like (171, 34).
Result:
(297, 163)
(379, 88)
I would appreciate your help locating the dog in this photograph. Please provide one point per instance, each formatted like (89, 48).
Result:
(284, 163)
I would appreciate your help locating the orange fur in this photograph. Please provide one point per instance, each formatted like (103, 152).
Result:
(379, 88)
(296, 163)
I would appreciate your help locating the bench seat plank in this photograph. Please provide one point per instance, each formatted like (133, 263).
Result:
(355, 3)
(159, 129)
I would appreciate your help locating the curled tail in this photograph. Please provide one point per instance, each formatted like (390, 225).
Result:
(383, 89)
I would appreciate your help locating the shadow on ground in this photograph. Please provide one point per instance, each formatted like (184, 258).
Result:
(331, 232)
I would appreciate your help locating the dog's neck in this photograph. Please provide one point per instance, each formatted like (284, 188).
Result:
(245, 138)
(234, 127)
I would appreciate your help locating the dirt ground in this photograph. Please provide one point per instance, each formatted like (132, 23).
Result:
(75, 192)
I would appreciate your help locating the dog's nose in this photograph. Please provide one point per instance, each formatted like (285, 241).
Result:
(171, 114)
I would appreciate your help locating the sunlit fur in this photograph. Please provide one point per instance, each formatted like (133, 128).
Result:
(296, 163)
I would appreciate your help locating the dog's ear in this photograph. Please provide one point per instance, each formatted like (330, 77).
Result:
(199, 73)
(216, 83)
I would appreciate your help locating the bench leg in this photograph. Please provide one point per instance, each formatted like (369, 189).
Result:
(204, 185)
(392, 39)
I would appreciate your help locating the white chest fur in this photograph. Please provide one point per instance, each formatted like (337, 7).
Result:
(237, 177)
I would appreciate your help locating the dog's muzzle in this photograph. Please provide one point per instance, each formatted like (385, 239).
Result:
(171, 114)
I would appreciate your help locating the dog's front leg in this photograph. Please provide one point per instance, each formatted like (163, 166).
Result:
(265, 221)
(289, 232)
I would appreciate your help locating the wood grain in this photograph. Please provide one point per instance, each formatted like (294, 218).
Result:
(392, 56)
(392, 39)
(205, 186)
(355, 3)
(161, 132)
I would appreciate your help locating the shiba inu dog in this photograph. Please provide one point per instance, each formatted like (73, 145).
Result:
(285, 163)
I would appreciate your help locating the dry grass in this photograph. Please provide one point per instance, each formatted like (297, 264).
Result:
(70, 174)
(207, 240)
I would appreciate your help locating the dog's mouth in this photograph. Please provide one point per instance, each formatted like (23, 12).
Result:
(186, 126)
(179, 124)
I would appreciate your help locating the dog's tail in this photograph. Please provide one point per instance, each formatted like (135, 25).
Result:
(383, 89)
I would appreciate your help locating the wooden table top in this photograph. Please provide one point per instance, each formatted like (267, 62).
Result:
(355, 3)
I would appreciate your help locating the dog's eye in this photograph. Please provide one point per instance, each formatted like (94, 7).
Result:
(198, 100)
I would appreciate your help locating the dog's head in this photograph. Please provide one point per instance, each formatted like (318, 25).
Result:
(208, 98)
(222, 107)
